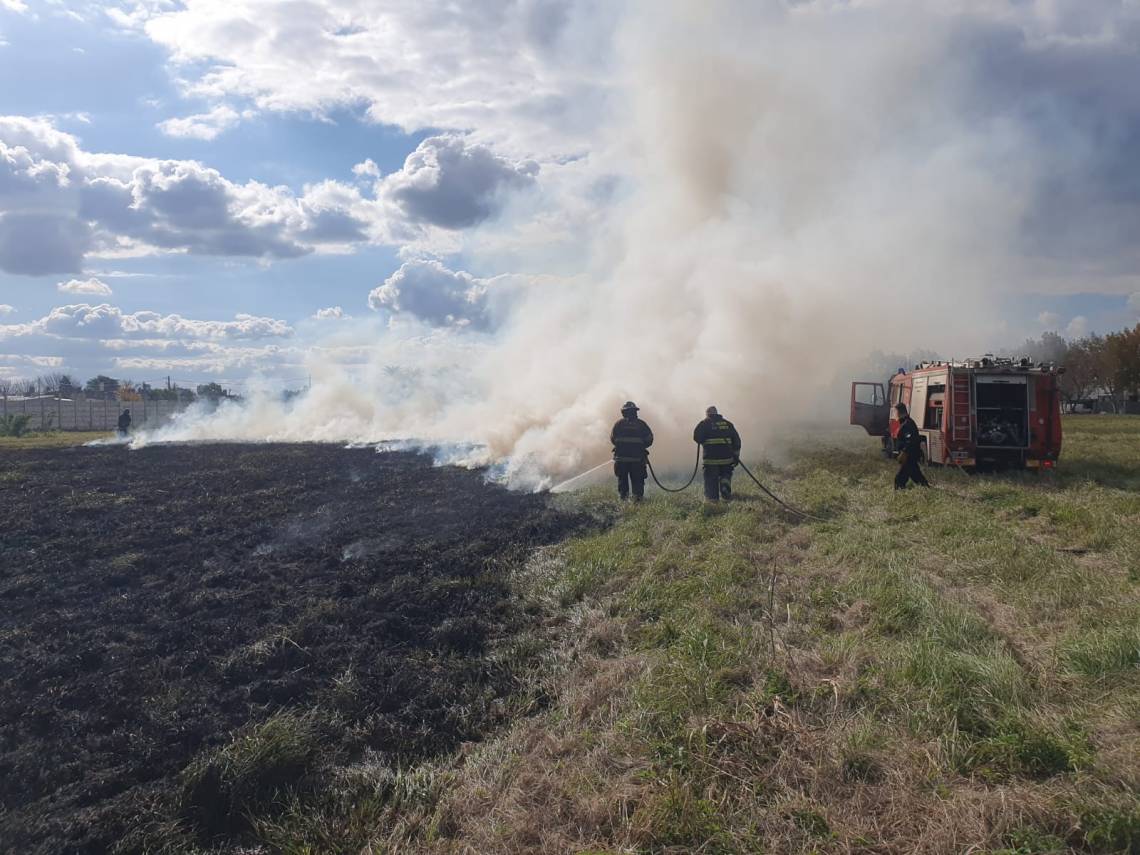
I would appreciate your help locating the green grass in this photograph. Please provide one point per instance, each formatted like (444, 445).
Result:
(958, 665)
(52, 439)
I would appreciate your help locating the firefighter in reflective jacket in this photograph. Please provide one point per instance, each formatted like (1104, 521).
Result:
(631, 438)
(720, 446)
(911, 441)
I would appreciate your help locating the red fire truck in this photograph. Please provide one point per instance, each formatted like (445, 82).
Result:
(979, 413)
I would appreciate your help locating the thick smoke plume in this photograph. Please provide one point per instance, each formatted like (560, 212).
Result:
(799, 184)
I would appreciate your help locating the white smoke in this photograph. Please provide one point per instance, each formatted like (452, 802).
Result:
(800, 184)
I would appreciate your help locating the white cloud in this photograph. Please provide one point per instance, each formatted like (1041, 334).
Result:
(366, 169)
(429, 292)
(17, 6)
(109, 322)
(6, 309)
(1134, 302)
(534, 68)
(60, 204)
(1049, 320)
(85, 286)
(452, 183)
(332, 313)
(202, 126)
(1078, 327)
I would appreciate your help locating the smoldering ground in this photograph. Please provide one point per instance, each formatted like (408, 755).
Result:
(792, 186)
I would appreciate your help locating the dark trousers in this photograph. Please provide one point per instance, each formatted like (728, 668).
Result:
(718, 481)
(909, 471)
(630, 475)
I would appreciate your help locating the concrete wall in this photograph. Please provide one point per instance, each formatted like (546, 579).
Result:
(89, 413)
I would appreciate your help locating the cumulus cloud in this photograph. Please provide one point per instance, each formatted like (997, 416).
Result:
(6, 309)
(1134, 302)
(332, 313)
(91, 286)
(431, 293)
(452, 183)
(201, 126)
(366, 169)
(1049, 320)
(59, 203)
(526, 68)
(39, 243)
(1078, 327)
(105, 321)
(89, 338)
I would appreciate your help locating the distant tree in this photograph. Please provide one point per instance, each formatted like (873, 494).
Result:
(9, 386)
(1081, 367)
(1119, 365)
(102, 385)
(128, 392)
(1127, 357)
(211, 391)
(54, 382)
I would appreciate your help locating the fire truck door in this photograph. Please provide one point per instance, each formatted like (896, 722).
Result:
(869, 407)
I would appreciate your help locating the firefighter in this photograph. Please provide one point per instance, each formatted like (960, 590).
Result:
(911, 441)
(631, 438)
(720, 447)
(124, 422)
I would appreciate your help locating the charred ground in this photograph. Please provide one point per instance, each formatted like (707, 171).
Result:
(167, 609)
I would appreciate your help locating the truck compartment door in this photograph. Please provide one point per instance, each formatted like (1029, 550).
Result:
(869, 407)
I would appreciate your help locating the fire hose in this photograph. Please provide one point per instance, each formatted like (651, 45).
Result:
(692, 478)
(776, 498)
(748, 472)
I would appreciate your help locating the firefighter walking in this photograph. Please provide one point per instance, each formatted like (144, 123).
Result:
(911, 441)
(720, 450)
(631, 438)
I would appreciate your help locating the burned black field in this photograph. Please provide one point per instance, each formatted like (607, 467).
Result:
(161, 606)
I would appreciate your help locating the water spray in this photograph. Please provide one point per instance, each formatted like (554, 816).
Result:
(558, 487)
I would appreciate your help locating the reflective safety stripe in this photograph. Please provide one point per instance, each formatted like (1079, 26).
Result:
(719, 440)
(636, 439)
(719, 461)
(629, 460)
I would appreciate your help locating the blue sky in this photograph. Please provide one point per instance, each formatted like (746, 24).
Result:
(185, 185)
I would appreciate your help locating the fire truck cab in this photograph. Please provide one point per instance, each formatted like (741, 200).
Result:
(979, 413)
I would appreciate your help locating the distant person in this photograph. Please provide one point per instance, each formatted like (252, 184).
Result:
(124, 422)
(911, 441)
(720, 446)
(631, 438)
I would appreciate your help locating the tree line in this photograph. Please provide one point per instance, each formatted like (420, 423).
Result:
(106, 388)
(1097, 367)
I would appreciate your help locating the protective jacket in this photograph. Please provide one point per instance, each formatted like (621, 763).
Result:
(631, 439)
(909, 438)
(125, 422)
(720, 443)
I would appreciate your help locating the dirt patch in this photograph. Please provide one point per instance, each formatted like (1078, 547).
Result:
(158, 602)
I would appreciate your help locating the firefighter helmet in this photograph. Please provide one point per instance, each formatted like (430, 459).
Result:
(711, 411)
(629, 405)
